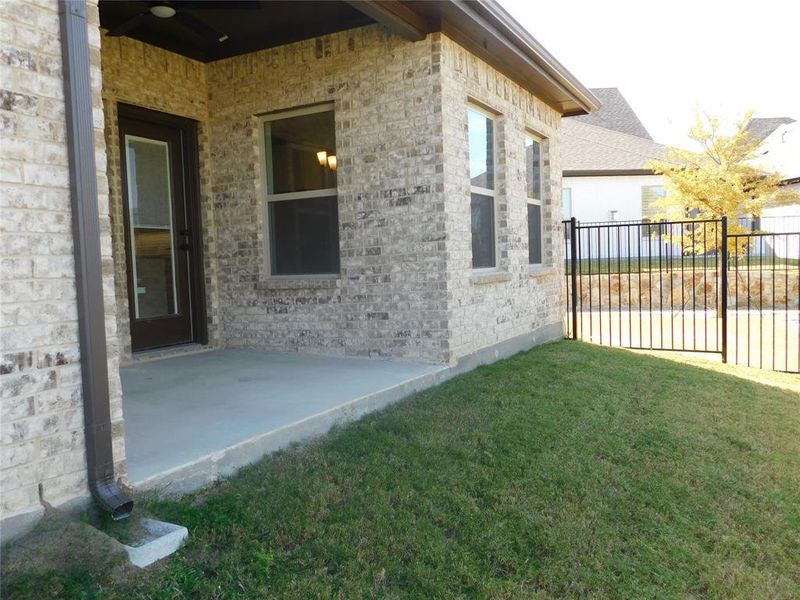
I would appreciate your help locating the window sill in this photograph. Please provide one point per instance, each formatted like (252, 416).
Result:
(308, 282)
(540, 271)
(489, 277)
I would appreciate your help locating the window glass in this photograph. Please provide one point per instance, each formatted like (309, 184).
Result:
(533, 171)
(304, 236)
(150, 217)
(534, 234)
(301, 186)
(294, 147)
(481, 150)
(481, 177)
(482, 231)
(534, 191)
(650, 195)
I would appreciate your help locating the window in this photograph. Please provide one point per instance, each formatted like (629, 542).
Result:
(150, 204)
(650, 195)
(480, 128)
(533, 185)
(302, 207)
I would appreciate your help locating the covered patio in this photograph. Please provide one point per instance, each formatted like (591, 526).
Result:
(276, 204)
(190, 419)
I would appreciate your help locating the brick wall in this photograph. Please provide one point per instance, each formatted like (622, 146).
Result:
(407, 288)
(390, 300)
(515, 299)
(40, 382)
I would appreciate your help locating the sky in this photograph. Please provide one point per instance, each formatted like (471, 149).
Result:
(673, 58)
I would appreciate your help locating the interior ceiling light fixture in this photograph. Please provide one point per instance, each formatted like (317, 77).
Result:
(181, 13)
(162, 11)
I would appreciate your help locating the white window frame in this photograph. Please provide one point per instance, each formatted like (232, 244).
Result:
(536, 201)
(474, 189)
(266, 178)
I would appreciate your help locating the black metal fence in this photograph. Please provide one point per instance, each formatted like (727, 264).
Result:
(686, 286)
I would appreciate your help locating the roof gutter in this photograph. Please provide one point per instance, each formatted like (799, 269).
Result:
(528, 45)
(88, 260)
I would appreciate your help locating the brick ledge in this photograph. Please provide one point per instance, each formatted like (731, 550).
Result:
(487, 278)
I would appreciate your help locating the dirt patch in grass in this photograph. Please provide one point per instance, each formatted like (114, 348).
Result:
(33, 566)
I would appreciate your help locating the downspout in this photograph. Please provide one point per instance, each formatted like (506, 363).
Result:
(88, 260)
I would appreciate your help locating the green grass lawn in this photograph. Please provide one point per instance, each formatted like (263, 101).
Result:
(569, 471)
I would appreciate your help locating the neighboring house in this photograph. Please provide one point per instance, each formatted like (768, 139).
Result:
(337, 178)
(605, 163)
(760, 128)
(780, 153)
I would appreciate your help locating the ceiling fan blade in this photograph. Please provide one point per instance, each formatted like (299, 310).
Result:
(199, 27)
(130, 24)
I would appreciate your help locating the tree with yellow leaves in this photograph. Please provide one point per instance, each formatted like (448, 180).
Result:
(722, 179)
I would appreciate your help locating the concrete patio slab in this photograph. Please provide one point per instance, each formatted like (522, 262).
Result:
(193, 418)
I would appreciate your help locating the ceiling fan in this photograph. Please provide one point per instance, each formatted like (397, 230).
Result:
(180, 12)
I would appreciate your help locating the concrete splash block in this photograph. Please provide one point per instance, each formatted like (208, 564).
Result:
(162, 539)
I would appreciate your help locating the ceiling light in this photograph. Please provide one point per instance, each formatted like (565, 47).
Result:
(332, 162)
(162, 11)
(322, 157)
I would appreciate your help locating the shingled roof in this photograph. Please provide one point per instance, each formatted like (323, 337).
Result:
(615, 114)
(592, 150)
(761, 127)
(611, 141)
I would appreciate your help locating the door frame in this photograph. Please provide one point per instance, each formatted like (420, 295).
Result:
(191, 189)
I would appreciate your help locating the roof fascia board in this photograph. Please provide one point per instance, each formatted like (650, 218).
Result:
(455, 31)
(518, 36)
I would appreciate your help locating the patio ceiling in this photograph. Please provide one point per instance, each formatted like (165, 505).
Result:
(250, 25)
(212, 30)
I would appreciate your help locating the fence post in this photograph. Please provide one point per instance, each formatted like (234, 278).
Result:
(573, 249)
(723, 292)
